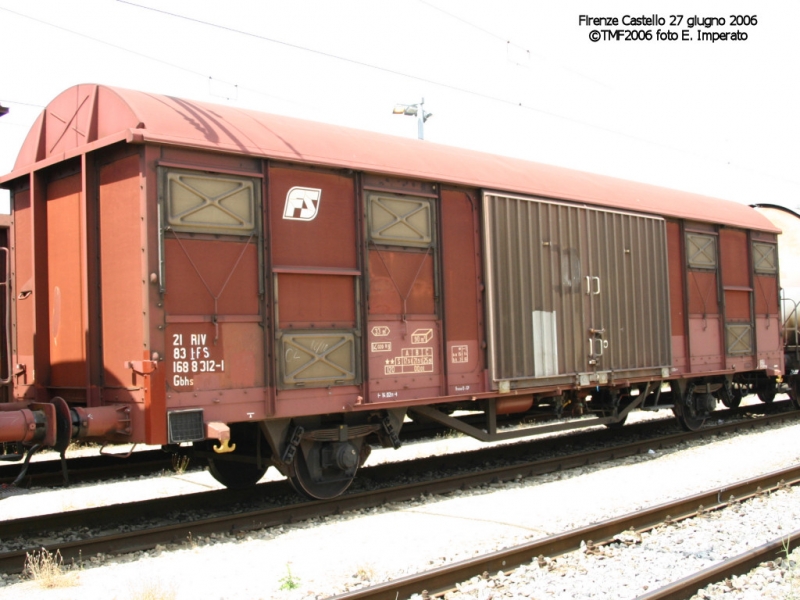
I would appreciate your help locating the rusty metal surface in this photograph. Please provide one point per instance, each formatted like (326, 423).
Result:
(463, 296)
(401, 283)
(17, 425)
(313, 300)
(404, 331)
(213, 331)
(6, 327)
(210, 277)
(404, 359)
(677, 290)
(120, 269)
(106, 114)
(65, 233)
(322, 236)
(704, 305)
(736, 272)
(22, 302)
(313, 244)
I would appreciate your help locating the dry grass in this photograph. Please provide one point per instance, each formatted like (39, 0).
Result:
(155, 591)
(365, 572)
(180, 462)
(790, 563)
(48, 570)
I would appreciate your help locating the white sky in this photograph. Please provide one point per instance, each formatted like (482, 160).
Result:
(719, 119)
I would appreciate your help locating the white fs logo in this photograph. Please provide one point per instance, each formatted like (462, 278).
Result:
(302, 204)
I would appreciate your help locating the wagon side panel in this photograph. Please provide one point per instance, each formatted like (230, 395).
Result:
(23, 304)
(463, 297)
(121, 271)
(677, 296)
(316, 290)
(704, 303)
(404, 326)
(65, 233)
(737, 293)
(766, 290)
(210, 241)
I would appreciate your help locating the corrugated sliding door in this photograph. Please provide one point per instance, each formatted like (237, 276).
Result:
(574, 293)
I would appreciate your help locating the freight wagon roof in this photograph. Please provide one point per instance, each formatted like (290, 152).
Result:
(89, 116)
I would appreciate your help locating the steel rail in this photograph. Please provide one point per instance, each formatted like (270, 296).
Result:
(743, 563)
(142, 539)
(83, 468)
(147, 462)
(217, 499)
(443, 579)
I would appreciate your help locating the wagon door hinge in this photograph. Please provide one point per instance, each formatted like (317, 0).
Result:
(141, 367)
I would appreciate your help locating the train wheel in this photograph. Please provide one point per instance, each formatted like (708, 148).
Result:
(794, 391)
(240, 468)
(324, 470)
(766, 395)
(694, 410)
(235, 475)
(731, 397)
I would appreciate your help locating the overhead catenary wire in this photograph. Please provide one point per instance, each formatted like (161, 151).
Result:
(474, 26)
(456, 88)
(475, 93)
(136, 53)
(508, 43)
(353, 61)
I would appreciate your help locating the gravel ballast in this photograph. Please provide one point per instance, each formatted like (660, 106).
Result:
(335, 554)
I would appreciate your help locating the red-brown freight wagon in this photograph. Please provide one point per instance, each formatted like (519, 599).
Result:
(183, 272)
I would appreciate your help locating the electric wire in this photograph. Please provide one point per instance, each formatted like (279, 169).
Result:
(452, 87)
(361, 63)
(509, 43)
(474, 26)
(141, 55)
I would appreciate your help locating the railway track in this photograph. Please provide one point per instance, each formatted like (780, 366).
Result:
(437, 582)
(233, 516)
(89, 468)
(102, 467)
(736, 565)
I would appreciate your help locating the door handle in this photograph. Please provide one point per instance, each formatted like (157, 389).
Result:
(592, 290)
